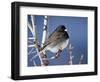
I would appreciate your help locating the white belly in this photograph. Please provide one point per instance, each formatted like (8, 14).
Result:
(59, 46)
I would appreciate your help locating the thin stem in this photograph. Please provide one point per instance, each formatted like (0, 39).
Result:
(70, 49)
(31, 45)
(34, 63)
(81, 59)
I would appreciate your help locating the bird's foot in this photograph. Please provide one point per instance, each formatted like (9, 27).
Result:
(58, 53)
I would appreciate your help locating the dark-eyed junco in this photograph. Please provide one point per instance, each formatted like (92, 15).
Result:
(57, 40)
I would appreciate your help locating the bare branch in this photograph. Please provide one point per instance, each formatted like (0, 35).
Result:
(30, 51)
(30, 27)
(44, 38)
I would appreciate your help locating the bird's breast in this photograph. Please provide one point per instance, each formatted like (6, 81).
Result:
(59, 46)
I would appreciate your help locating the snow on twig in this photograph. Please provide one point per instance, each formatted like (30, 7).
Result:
(70, 49)
(31, 45)
(81, 59)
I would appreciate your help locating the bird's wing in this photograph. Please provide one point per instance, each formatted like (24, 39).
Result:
(54, 37)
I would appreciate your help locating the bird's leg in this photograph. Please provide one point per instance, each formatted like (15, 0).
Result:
(58, 53)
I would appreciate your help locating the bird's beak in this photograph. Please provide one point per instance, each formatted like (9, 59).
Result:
(66, 30)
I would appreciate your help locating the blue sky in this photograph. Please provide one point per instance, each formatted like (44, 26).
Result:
(77, 30)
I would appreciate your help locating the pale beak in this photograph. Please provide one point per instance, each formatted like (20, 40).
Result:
(66, 30)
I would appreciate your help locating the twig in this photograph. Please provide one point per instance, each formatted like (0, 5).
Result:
(34, 52)
(81, 59)
(70, 49)
(71, 60)
(30, 51)
(30, 41)
(31, 45)
(30, 38)
(30, 27)
(34, 63)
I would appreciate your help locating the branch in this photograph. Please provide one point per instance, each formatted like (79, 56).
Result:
(45, 30)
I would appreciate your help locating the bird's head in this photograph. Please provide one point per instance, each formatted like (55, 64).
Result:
(61, 28)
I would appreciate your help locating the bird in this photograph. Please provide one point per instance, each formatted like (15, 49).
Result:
(57, 41)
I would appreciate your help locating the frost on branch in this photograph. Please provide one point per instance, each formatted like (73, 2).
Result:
(71, 55)
(32, 27)
(70, 50)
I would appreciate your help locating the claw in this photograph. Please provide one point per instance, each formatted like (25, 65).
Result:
(58, 53)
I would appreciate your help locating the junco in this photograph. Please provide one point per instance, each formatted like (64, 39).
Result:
(57, 41)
